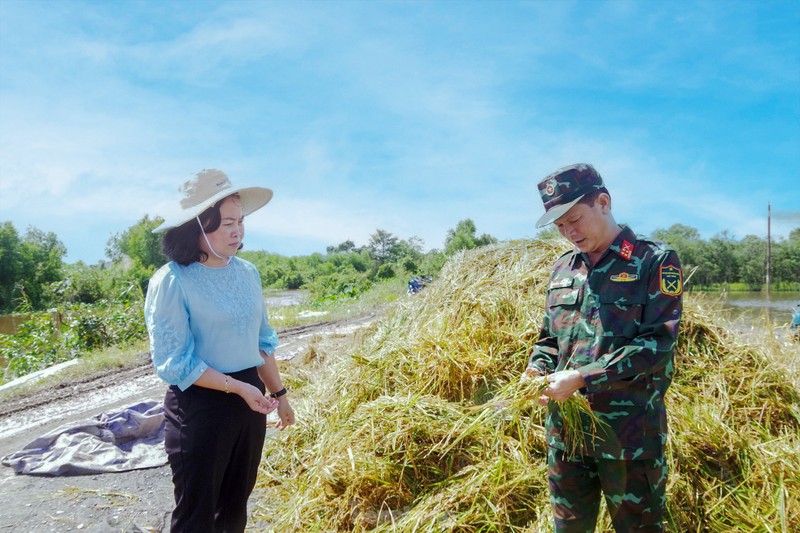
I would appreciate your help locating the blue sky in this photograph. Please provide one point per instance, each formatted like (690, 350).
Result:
(403, 116)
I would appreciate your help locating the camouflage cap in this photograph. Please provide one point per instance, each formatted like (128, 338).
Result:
(564, 188)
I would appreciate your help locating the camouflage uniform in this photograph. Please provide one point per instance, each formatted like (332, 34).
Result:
(616, 323)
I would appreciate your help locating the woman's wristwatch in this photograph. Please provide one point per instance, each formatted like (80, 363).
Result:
(279, 393)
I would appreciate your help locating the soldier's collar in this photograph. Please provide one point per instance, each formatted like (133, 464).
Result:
(624, 243)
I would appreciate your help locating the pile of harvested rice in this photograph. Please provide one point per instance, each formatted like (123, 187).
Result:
(402, 434)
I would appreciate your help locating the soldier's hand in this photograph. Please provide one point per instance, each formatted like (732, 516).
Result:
(563, 384)
(529, 374)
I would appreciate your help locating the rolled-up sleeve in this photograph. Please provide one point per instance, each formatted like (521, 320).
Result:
(171, 340)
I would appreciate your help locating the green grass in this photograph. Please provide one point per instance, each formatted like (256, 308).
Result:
(377, 297)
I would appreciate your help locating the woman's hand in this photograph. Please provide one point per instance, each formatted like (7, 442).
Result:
(285, 412)
(255, 399)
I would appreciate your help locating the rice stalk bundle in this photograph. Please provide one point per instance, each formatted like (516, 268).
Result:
(425, 425)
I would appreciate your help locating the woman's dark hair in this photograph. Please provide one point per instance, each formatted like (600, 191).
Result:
(182, 244)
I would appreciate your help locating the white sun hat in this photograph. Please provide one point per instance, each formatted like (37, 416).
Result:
(207, 188)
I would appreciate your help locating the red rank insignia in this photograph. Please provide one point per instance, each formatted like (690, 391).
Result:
(626, 250)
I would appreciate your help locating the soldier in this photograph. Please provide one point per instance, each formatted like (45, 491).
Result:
(609, 330)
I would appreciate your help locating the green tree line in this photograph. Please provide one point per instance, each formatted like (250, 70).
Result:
(34, 276)
(93, 306)
(96, 306)
(723, 260)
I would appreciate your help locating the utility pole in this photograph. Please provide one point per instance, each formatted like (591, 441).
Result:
(769, 244)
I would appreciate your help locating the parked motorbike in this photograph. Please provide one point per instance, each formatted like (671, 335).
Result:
(417, 283)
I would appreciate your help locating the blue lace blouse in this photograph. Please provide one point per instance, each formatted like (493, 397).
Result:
(199, 317)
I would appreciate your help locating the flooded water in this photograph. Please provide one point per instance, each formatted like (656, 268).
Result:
(757, 307)
(8, 326)
(276, 298)
(10, 323)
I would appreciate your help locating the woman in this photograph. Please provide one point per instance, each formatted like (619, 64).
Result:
(211, 342)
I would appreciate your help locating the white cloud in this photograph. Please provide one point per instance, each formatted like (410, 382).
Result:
(403, 117)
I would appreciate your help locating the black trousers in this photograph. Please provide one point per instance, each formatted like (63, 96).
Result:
(214, 443)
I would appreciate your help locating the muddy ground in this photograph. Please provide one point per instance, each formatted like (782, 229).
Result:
(135, 501)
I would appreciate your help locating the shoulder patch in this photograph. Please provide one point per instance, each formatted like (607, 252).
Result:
(670, 280)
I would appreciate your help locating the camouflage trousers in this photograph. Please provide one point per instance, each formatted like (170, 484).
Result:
(635, 492)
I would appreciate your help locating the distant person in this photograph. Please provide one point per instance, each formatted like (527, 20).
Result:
(611, 319)
(210, 340)
(796, 320)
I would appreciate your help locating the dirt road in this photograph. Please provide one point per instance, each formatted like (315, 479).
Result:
(135, 501)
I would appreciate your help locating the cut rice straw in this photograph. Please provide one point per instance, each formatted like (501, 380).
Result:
(425, 426)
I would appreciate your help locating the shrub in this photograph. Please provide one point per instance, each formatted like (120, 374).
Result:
(59, 335)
